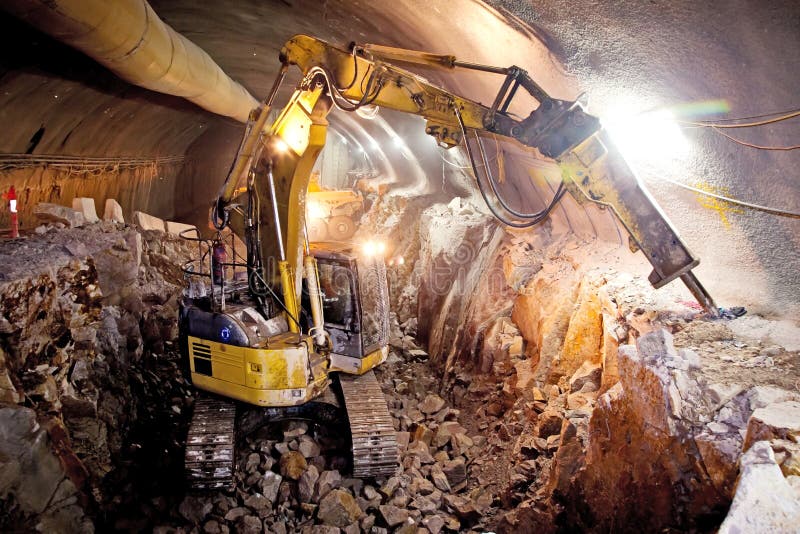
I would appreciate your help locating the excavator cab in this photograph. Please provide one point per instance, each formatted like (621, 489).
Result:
(355, 305)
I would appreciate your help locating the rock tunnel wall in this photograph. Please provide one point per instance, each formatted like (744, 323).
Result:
(607, 398)
(83, 311)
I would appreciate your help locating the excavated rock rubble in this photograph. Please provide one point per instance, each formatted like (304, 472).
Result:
(557, 394)
(86, 314)
(607, 405)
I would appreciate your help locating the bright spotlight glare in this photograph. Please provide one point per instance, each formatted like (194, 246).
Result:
(647, 136)
(368, 111)
(315, 210)
(398, 141)
(375, 143)
(280, 145)
(373, 248)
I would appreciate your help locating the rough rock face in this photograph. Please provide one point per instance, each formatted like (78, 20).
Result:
(660, 448)
(765, 501)
(81, 307)
(639, 434)
(458, 273)
(594, 418)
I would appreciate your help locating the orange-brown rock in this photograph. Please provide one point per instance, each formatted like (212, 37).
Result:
(584, 336)
(543, 311)
(292, 465)
(780, 420)
(608, 355)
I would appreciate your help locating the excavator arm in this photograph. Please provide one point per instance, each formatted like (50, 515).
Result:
(593, 170)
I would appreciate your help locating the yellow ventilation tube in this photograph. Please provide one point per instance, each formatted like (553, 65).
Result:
(132, 41)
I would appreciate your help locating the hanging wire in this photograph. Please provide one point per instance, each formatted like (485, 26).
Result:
(776, 211)
(93, 166)
(753, 145)
(784, 115)
(718, 127)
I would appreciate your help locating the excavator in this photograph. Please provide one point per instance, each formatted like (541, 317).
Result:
(331, 214)
(251, 344)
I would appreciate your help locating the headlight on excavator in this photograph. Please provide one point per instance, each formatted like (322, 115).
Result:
(373, 247)
(314, 210)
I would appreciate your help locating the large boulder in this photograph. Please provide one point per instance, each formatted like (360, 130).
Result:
(55, 213)
(113, 211)
(30, 472)
(764, 500)
(627, 457)
(338, 508)
(85, 206)
(780, 420)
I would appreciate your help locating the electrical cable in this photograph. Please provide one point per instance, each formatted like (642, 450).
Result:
(752, 145)
(775, 211)
(761, 116)
(714, 124)
(717, 127)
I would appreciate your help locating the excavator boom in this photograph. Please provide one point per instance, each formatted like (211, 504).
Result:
(252, 351)
(593, 169)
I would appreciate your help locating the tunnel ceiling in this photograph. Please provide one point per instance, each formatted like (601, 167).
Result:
(625, 55)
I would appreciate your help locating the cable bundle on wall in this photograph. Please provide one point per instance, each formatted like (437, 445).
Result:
(83, 165)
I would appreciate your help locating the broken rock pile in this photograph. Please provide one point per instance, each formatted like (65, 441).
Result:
(600, 422)
(295, 479)
(81, 307)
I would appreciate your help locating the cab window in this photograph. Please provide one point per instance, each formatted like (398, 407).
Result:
(336, 286)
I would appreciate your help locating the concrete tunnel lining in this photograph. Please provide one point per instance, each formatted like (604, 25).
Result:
(641, 56)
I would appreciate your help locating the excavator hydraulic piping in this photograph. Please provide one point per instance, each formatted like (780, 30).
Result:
(276, 216)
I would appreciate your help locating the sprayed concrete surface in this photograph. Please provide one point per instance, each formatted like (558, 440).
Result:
(628, 55)
(642, 55)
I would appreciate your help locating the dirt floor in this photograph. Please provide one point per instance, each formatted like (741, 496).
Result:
(730, 358)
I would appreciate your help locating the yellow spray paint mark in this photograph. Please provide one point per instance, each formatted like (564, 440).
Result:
(722, 207)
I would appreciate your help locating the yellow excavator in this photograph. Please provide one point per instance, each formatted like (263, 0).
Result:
(251, 340)
(331, 214)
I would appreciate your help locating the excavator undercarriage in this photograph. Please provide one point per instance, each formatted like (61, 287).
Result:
(254, 371)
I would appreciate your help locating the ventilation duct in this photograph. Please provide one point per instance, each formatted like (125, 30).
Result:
(129, 38)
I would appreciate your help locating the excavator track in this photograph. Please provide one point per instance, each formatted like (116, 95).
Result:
(374, 438)
(210, 444)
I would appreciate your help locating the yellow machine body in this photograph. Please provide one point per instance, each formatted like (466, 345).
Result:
(282, 373)
(358, 366)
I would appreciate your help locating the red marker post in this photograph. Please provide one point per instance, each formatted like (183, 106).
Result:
(11, 196)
